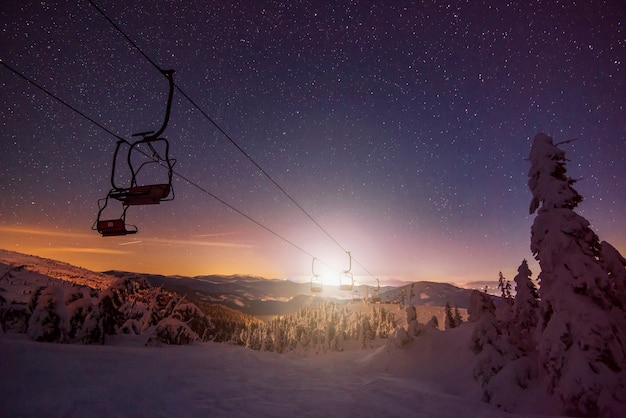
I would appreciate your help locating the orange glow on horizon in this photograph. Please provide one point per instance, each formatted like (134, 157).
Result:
(429, 259)
(152, 255)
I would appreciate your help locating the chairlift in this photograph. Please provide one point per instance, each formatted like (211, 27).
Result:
(151, 194)
(115, 228)
(376, 293)
(148, 151)
(112, 227)
(157, 153)
(346, 280)
(316, 280)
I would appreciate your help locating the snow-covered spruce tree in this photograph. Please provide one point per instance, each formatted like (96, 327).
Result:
(14, 317)
(458, 319)
(449, 317)
(582, 328)
(387, 323)
(525, 310)
(504, 310)
(615, 266)
(194, 318)
(489, 341)
(172, 331)
(501, 285)
(49, 321)
(79, 304)
(486, 340)
(411, 320)
(505, 288)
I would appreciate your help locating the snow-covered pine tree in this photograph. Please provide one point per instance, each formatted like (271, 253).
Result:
(486, 340)
(79, 305)
(504, 311)
(172, 331)
(49, 321)
(525, 310)
(458, 319)
(505, 288)
(501, 285)
(14, 317)
(500, 365)
(582, 339)
(507, 292)
(411, 319)
(449, 318)
(614, 264)
(194, 318)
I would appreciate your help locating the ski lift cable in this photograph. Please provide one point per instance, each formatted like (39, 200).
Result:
(181, 176)
(217, 126)
(227, 136)
(63, 102)
(154, 64)
(257, 165)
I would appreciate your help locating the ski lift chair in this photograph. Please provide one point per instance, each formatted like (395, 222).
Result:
(346, 281)
(115, 228)
(136, 194)
(316, 284)
(376, 293)
(151, 194)
(146, 194)
(316, 280)
(112, 227)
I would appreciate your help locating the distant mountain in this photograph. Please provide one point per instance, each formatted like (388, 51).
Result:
(250, 294)
(429, 294)
(490, 285)
(263, 297)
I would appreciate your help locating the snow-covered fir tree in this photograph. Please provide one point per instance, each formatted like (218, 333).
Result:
(505, 288)
(486, 339)
(458, 319)
(525, 310)
(582, 328)
(131, 306)
(49, 321)
(411, 320)
(504, 310)
(500, 364)
(614, 265)
(449, 317)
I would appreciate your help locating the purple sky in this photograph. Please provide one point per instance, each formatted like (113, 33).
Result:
(403, 130)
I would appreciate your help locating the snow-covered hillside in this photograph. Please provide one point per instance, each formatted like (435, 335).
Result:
(367, 372)
(28, 272)
(427, 374)
(430, 377)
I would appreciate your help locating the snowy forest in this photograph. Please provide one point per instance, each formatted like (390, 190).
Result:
(563, 333)
(568, 335)
(133, 306)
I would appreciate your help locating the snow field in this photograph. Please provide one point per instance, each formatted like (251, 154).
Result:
(218, 380)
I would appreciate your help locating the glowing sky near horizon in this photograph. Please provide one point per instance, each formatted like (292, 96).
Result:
(403, 129)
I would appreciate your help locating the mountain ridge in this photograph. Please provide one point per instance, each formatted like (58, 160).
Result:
(253, 295)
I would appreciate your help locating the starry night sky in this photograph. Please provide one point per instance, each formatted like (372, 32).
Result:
(403, 129)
